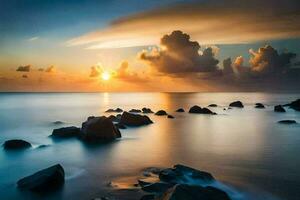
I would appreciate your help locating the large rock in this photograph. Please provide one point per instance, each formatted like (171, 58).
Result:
(295, 105)
(99, 129)
(114, 110)
(194, 192)
(237, 104)
(180, 110)
(147, 110)
(198, 110)
(181, 174)
(44, 180)
(259, 105)
(16, 144)
(161, 113)
(279, 108)
(66, 132)
(130, 119)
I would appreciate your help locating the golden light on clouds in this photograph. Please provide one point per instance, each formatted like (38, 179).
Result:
(105, 76)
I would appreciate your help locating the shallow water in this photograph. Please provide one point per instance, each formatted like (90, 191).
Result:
(245, 149)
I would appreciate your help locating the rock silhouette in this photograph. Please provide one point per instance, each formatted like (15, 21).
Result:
(16, 144)
(287, 121)
(279, 108)
(259, 105)
(147, 110)
(66, 132)
(198, 110)
(44, 180)
(161, 113)
(130, 119)
(237, 104)
(180, 110)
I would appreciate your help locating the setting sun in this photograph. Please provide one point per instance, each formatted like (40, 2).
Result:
(105, 76)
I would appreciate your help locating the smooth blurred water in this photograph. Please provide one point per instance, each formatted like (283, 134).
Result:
(244, 148)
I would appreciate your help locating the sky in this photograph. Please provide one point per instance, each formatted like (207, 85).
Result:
(157, 45)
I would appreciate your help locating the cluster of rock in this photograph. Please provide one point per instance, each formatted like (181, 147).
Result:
(180, 182)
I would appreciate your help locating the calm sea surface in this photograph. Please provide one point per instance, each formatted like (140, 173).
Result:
(245, 149)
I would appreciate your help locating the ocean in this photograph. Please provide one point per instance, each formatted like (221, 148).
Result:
(246, 150)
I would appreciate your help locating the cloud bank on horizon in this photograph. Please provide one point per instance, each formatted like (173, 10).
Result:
(209, 22)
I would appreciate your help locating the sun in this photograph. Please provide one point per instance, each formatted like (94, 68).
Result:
(105, 76)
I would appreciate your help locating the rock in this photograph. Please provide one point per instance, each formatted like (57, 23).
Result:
(130, 119)
(213, 105)
(259, 105)
(58, 122)
(180, 173)
(279, 108)
(120, 126)
(158, 187)
(147, 110)
(237, 104)
(66, 132)
(114, 110)
(44, 180)
(99, 129)
(194, 192)
(135, 110)
(113, 118)
(198, 110)
(171, 116)
(287, 122)
(16, 144)
(180, 110)
(161, 113)
(295, 105)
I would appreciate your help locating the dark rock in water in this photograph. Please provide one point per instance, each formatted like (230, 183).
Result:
(180, 173)
(259, 105)
(279, 108)
(58, 122)
(120, 126)
(113, 118)
(158, 187)
(44, 180)
(130, 119)
(237, 104)
(99, 129)
(16, 144)
(194, 192)
(135, 110)
(147, 110)
(161, 113)
(171, 116)
(213, 105)
(198, 110)
(287, 122)
(43, 146)
(90, 117)
(295, 105)
(180, 110)
(66, 132)
(114, 110)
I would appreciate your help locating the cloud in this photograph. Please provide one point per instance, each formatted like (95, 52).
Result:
(267, 61)
(96, 71)
(210, 22)
(50, 69)
(33, 39)
(227, 66)
(125, 74)
(178, 54)
(25, 68)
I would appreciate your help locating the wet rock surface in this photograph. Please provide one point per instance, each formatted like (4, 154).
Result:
(130, 119)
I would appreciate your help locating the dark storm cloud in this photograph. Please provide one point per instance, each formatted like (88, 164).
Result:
(25, 68)
(178, 54)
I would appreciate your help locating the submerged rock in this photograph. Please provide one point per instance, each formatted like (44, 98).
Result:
(194, 192)
(66, 132)
(213, 105)
(147, 110)
(44, 180)
(130, 119)
(99, 129)
(135, 110)
(287, 122)
(279, 108)
(161, 113)
(57, 122)
(237, 104)
(114, 110)
(259, 105)
(180, 110)
(16, 144)
(198, 110)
